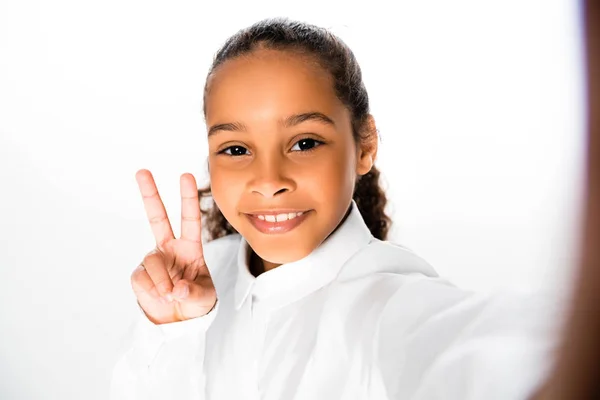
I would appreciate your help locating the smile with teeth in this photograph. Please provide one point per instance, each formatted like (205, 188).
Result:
(279, 217)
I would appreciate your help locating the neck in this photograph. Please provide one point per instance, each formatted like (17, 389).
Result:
(258, 265)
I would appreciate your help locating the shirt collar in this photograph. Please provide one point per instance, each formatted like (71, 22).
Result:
(292, 281)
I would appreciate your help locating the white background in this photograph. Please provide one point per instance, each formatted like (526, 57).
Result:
(479, 106)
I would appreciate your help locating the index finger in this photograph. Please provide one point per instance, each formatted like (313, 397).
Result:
(155, 209)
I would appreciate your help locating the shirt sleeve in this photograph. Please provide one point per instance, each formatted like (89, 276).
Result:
(163, 361)
(439, 342)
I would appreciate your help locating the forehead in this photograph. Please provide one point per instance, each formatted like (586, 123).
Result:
(270, 84)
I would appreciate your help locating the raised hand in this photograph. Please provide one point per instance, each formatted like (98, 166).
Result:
(173, 283)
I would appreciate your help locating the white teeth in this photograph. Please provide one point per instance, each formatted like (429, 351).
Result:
(279, 217)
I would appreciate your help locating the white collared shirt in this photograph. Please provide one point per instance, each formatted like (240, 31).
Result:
(358, 318)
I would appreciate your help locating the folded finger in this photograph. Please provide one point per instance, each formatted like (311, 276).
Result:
(200, 291)
(154, 264)
(141, 282)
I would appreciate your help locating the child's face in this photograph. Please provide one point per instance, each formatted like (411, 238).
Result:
(260, 165)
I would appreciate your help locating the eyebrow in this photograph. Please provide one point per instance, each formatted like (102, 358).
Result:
(232, 127)
(310, 116)
(288, 122)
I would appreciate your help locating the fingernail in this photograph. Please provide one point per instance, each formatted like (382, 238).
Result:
(181, 292)
(169, 297)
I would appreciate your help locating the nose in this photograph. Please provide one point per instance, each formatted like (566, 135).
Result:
(270, 177)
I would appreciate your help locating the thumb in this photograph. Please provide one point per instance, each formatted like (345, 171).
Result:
(181, 290)
(200, 291)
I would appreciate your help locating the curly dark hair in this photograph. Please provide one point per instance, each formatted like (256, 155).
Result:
(335, 57)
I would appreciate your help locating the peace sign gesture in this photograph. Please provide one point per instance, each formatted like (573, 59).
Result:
(173, 283)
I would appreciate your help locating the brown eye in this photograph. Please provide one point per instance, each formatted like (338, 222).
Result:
(235, 151)
(306, 144)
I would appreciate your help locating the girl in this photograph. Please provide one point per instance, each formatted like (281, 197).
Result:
(297, 295)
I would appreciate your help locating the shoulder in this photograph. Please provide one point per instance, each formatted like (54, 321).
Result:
(380, 257)
(394, 277)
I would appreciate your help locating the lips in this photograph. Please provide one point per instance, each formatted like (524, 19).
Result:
(277, 223)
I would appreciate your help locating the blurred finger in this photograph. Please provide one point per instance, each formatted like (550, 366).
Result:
(154, 264)
(141, 282)
(181, 289)
(191, 225)
(195, 293)
(155, 209)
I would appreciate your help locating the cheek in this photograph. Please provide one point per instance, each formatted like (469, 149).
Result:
(330, 175)
(225, 189)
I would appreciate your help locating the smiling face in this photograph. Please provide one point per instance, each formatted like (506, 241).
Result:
(282, 158)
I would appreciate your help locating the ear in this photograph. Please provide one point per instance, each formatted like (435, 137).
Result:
(367, 146)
